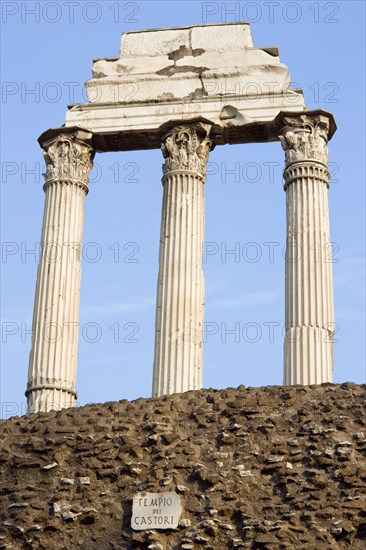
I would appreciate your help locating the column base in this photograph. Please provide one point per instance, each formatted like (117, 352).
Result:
(48, 397)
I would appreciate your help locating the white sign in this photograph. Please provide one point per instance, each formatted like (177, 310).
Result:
(155, 511)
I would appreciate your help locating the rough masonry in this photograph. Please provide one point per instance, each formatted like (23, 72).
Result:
(270, 468)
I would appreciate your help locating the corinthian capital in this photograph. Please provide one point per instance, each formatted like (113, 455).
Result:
(68, 154)
(187, 148)
(305, 137)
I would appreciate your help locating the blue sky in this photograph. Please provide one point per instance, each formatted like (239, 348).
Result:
(47, 50)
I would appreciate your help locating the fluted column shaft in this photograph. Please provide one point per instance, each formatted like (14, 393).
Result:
(178, 360)
(53, 357)
(309, 309)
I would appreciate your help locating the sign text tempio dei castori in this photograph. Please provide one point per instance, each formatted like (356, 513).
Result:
(155, 511)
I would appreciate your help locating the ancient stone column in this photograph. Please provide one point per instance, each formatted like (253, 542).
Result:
(308, 347)
(53, 357)
(178, 357)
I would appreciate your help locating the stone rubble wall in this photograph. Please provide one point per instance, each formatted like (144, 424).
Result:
(270, 468)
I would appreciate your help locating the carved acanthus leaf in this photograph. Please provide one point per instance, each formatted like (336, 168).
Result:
(187, 148)
(305, 138)
(68, 159)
